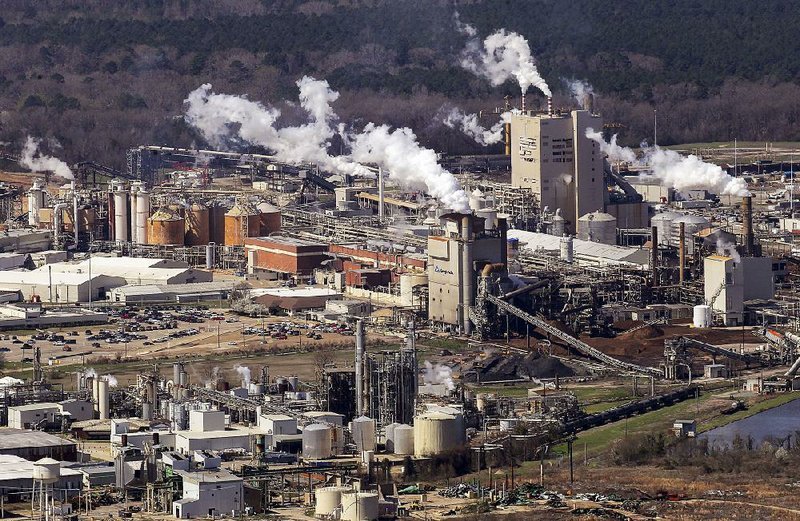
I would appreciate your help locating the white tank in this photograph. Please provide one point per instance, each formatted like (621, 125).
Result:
(294, 383)
(317, 441)
(142, 213)
(328, 500)
(598, 227)
(359, 506)
(121, 213)
(557, 226)
(701, 317)
(35, 202)
(490, 218)
(363, 430)
(46, 470)
(663, 223)
(103, 398)
(404, 440)
(389, 435)
(567, 248)
(435, 433)
(96, 393)
(210, 256)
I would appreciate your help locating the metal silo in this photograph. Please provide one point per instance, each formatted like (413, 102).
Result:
(435, 433)
(317, 441)
(241, 221)
(328, 500)
(165, 227)
(359, 506)
(269, 219)
(403, 442)
(663, 223)
(216, 222)
(363, 430)
(598, 227)
(121, 210)
(197, 225)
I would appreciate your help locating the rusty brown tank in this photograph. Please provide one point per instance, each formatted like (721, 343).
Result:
(197, 225)
(269, 218)
(216, 222)
(165, 227)
(241, 221)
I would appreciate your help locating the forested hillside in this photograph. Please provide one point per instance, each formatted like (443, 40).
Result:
(101, 76)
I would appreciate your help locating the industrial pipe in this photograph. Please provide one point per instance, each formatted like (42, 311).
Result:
(747, 224)
(682, 252)
(359, 362)
(654, 255)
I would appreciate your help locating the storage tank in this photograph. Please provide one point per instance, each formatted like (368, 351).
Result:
(216, 222)
(269, 218)
(294, 383)
(692, 224)
(165, 227)
(103, 398)
(389, 435)
(701, 317)
(598, 227)
(359, 506)
(663, 223)
(46, 470)
(241, 221)
(435, 433)
(317, 441)
(557, 224)
(197, 225)
(404, 440)
(328, 500)
(567, 248)
(363, 430)
(142, 214)
(490, 218)
(35, 202)
(121, 211)
(210, 260)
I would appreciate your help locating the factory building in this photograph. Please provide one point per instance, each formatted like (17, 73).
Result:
(36, 415)
(33, 445)
(180, 293)
(551, 155)
(729, 282)
(209, 493)
(284, 257)
(457, 252)
(17, 483)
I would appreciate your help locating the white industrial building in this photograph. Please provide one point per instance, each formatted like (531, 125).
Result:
(208, 432)
(209, 494)
(583, 252)
(30, 415)
(180, 293)
(40, 285)
(731, 281)
(34, 316)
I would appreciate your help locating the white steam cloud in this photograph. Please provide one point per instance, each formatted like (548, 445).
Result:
(728, 249)
(581, 91)
(34, 160)
(220, 117)
(470, 125)
(244, 373)
(90, 373)
(438, 374)
(674, 170)
(503, 55)
(112, 380)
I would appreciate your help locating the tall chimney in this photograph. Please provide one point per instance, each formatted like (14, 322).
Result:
(549, 106)
(523, 103)
(747, 224)
(359, 361)
(507, 128)
(654, 255)
(381, 210)
(682, 252)
(467, 274)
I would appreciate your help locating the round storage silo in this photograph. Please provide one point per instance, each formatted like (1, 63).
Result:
(363, 430)
(165, 227)
(701, 317)
(359, 506)
(328, 500)
(241, 221)
(197, 225)
(598, 227)
(317, 441)
(46, 470)
(663, 223)
(557, 225)
(269, 217)
(216, 222)
(435, 433)
(567, 248)
(404, 440)
(389, 436)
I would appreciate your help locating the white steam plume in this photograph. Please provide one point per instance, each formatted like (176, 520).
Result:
(728, 249)
(37, 162)
(673, 170)
(244, 373)
(469, 125)
(90, 373)
(503, 55)
(112, 380)
(581, 91)
(221, 116)
(438, 374)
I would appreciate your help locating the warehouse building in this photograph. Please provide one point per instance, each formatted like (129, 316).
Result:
(178, 293)
(284, 257)
(16, 479)
(209, 493)
(34, 445)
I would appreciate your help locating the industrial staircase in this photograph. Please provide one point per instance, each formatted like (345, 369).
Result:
(571, 341)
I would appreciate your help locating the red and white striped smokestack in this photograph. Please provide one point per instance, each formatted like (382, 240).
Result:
(523, 103)
(549, 106)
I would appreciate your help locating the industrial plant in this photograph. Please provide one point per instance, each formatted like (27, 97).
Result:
(383, 333)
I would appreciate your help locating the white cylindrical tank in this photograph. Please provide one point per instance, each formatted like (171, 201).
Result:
(598, 227)
(404, 440)
(363, 430)
(328, 500)
(294, 383)
(389, 435)
(701, 317)
(103, 399)
(567, 248)
(35, 202)
(359, 506)
(663, 223)
(317, 441)
(46, 470)
(96, 393)
(142, 213)
(557, 226)
(121, 213)
(435, 433)
(490, 218)
(210, 256)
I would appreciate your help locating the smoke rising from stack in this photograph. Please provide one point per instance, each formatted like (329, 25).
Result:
(581, 91)
(244, 373)
(223, 119)
(728, 249)
(438, 374)
(470, 125)
(34, 160)
(502, 55)
(674, 170)
(112, 380)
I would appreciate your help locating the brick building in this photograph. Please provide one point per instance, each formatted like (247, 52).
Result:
(284, 256)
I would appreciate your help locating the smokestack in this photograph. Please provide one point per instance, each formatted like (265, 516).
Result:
(359, 367)
(523, 103)
(507, 128)
(549, 106)
(654, 255)
(682, 252)
(466, 272)
(380, 193)
(590, 103)
(747, 224)
(502, 226)
(103, 398)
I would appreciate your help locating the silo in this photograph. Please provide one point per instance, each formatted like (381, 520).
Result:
(121, 211)
(269, 218)
(165, 227)
(567, 248)
(557, 224)
(35, 202)
(404, 440)
(103, 398)
(241, 221)
(598, 227)
(359, 506)
(328, 500)
(663, 223)
(363, 430)
(317, 441)
(389, 437)
(197, 225)
(142, 213)
(216, 222)
(96, 393)
(701, 317)
(435, 433)
(47, 471)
